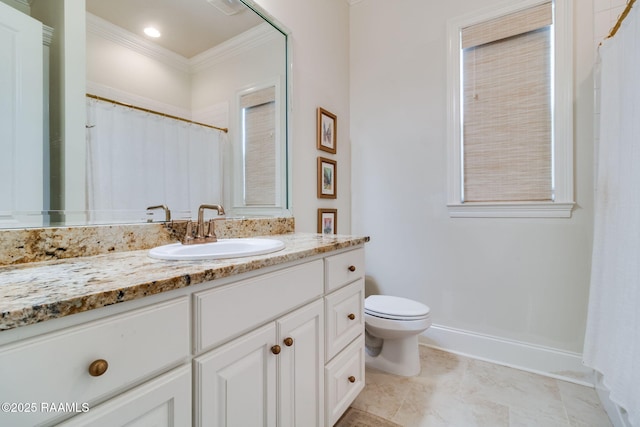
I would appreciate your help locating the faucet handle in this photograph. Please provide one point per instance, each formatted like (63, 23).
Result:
(188, 235)
(211, 235)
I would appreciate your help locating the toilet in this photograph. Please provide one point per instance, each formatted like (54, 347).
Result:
(392, 326)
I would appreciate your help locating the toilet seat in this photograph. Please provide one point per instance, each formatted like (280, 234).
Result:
(395, 308)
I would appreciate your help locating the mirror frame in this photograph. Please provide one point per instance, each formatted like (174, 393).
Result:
(284, 206)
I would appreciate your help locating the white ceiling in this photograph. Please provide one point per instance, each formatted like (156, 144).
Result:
(188, 27)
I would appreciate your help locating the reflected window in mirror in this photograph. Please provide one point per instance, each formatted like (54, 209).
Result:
(258, 133)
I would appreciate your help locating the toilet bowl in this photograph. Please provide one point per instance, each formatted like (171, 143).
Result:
(392, 326)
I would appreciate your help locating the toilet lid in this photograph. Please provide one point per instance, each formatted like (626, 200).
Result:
(394, 307)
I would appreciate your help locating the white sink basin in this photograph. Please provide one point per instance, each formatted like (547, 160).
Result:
(223, 248)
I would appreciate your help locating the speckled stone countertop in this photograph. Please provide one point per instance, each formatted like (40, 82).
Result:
(39, 291)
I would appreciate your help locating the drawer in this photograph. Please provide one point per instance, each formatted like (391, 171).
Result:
(163, 401)
(136, 345)
(343, 268)
(226, 312)
(344, 379)
(344, 317)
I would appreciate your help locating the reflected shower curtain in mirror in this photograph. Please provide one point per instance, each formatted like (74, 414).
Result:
(612, 341)
(137, 159)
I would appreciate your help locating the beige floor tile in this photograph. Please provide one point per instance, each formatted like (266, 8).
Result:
(513, 388)
(583, 406)
(532, 417)
(383, 394)
(356, 418)
(442, 368)
(455, 391)
(427, 405)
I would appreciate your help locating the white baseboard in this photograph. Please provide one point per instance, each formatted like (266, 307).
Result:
(541, 360)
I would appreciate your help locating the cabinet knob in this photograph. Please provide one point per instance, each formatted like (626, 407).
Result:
(98, 367)
(288, 341)
(352, 379)
(352, 268)
(351, 316)
(275, 349)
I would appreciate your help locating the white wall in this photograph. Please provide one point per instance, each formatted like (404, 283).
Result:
(320, 32)
(524, 280)
(112, 65)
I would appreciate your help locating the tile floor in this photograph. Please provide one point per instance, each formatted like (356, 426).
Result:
(456, 391)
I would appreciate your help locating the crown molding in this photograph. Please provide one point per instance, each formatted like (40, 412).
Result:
(115, 34)
(47, 35)
(257, 36)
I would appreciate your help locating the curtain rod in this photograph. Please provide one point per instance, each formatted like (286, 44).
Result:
(146, 110)
(622, 17)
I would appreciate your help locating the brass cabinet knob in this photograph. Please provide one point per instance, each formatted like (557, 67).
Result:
(352, 379)
(352, 268)
(288, 341)
(98, 367)
(351, 316)
(275, 349)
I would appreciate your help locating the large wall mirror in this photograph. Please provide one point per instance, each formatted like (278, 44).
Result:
(131, 120)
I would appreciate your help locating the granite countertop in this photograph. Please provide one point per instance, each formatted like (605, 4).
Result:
(40, 291)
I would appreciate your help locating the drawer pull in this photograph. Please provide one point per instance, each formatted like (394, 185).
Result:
(351, 316)
(288, 341)
(275, 349)
(352, 268)
(352, 379)
(98, 367)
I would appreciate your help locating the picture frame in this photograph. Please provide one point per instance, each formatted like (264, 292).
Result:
(327, 126)
(327, 221)
(327, 178)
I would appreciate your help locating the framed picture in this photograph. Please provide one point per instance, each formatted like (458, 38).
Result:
(326, 178)
(327, 221)
(327, 126)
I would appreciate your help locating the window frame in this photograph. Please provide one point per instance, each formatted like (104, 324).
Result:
(562, 120)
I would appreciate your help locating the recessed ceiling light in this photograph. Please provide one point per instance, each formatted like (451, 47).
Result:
(152, 32)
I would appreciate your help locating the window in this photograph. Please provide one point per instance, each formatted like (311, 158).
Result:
(510, 112)
(259, 146)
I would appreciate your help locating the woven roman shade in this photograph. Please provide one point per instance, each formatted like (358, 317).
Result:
(259, 142)
(507, 108)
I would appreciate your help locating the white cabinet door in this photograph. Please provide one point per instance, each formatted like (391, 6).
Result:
(162, 402)
(236, 383)
(21, 112)
(301, 361)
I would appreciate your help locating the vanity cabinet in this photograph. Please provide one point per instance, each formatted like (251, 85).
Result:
(269, 377)
(80, 365)
(282, 346)
(344, 314)
(162, 402)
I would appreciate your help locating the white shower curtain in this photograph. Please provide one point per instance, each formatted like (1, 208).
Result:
(612, 341)
(136, 159)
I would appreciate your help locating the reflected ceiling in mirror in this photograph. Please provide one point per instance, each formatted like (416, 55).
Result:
(187, 27)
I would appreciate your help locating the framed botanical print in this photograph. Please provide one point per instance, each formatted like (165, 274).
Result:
(327, 184)
(326, 127)
(327, 221)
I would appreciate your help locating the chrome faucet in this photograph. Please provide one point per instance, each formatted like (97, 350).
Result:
(167, 212)
(204, 234)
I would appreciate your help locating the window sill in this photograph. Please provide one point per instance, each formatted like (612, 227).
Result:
(511, 210)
